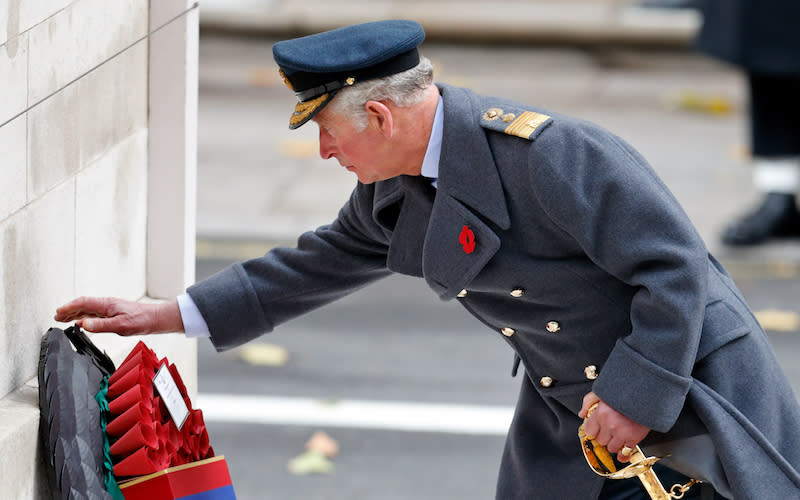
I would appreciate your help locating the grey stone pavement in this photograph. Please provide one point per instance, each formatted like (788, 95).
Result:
(609, 61)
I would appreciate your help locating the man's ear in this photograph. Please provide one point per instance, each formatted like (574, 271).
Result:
(380, 117)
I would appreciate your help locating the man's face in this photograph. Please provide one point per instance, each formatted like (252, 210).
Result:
(364, 153)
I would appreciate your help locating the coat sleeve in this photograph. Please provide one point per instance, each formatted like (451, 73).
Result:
(607, 198)
(251, 298)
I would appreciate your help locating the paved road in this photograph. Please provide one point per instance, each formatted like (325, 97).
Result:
(259, 185)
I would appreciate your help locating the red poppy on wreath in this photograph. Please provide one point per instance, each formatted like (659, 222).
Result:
(467, 240)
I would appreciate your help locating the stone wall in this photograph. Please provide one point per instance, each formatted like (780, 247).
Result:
(98, 104)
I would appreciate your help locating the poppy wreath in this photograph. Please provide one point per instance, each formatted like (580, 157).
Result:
(143, 437)
(100, 423)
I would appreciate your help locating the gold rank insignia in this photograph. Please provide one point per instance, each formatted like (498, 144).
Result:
(524, 124)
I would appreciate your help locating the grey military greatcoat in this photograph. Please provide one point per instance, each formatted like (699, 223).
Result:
(563, 242)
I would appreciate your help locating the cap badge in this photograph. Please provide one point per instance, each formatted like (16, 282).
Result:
(467, 240)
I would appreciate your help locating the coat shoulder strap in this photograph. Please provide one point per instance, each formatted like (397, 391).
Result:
(520, 123)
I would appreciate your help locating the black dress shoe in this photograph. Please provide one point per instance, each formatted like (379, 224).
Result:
(777, 217)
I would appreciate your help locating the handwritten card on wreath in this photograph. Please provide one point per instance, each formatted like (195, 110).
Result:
(166, 387)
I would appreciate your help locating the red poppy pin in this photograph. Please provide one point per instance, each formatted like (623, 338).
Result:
(467, 240)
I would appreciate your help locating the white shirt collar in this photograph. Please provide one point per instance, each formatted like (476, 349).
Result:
(430, 164)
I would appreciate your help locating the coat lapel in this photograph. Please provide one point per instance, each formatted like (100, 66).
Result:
(470, 200)
(467, 171)
(447, 235)
(403, 206)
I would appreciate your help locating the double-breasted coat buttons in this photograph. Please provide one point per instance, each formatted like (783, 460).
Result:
(517, 292)
(553, 326)
(546, 381)
(508, 331)
(591, 372)
(462, 294)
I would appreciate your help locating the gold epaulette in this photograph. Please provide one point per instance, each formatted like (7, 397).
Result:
(526, 124)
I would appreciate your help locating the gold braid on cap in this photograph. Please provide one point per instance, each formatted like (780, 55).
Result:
(285, 80)
(303, 109)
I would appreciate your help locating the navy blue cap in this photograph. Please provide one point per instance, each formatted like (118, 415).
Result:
(317, 66)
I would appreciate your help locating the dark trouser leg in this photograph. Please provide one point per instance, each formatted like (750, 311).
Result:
(775, 138)
(632, 489)
(774, 108)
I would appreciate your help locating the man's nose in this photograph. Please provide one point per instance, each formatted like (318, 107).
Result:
(326, 145)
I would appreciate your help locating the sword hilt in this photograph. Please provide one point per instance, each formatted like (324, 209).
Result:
(640, 466)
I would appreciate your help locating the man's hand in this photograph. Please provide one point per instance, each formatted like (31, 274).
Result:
(123, 317)
(611, 428)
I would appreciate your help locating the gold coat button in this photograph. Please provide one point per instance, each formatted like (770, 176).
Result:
(553, 326)
(508, 331)
(462, 294)
(517, 292)
(591, 372)
(546, 381)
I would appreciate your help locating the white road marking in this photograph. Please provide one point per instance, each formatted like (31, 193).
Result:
(385, 415)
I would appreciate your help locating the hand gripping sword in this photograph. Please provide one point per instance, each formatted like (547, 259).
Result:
(641, 466)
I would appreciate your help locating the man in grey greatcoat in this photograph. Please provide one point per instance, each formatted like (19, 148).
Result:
(552, 232)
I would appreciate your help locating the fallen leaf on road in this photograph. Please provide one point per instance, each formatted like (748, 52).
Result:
(320, 448)
(264, 355)
(709, 104)
(310, 462)
(778, 321)
(324, 444)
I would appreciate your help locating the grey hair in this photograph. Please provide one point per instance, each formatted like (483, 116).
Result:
(403, 89)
